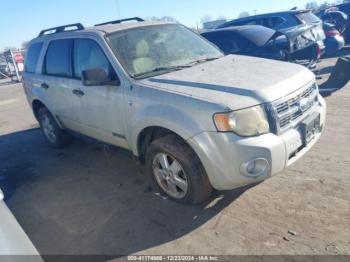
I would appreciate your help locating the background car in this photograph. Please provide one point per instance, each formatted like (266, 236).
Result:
(286, 22)
(339, 16)
(334, 40)
(263, 42)
(3, 70)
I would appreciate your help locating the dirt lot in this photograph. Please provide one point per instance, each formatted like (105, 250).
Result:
(86, 199)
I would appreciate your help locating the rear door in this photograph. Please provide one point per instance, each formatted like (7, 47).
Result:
(57, 82)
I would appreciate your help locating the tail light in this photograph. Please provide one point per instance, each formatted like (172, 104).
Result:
(332, 33)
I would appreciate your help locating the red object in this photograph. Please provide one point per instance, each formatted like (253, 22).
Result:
(332, 33)
(18, 58)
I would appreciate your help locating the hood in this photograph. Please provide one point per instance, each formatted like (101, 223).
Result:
(235, 81)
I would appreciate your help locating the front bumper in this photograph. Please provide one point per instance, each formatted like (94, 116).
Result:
(223, 154)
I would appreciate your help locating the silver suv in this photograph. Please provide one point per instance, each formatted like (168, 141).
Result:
(197, 119)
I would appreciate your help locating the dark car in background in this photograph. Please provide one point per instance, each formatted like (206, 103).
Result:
(334, 40)
(263, 42)
(3, 70)
(339, 16)
(288, 22)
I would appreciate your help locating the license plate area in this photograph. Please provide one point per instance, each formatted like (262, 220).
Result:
(310, 127)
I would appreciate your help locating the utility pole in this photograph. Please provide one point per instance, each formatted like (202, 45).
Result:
(118, 9)
(255, 11)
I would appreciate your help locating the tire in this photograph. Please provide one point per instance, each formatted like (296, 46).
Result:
(53, 133)
(179, 156)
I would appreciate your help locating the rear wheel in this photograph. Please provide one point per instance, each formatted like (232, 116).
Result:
(176, 170)
(53, 133)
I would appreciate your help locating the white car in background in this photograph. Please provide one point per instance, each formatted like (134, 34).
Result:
(13, 240)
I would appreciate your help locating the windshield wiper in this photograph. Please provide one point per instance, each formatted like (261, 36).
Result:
(163, 68)
(202, 60)
(175, 68)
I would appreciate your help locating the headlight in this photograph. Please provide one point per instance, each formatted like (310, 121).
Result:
(246, 122)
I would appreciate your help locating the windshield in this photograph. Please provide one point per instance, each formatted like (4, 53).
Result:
(153, 50)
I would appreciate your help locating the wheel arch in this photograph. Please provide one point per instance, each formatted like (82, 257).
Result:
(37, 104)
(148, 134)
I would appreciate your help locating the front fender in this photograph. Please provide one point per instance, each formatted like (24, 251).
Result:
(163, 116)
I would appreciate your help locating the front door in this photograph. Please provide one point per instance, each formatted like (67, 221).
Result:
(101, 107)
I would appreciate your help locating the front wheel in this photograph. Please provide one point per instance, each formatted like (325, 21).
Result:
(176, 170)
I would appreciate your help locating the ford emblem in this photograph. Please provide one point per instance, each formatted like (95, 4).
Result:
(304, 104)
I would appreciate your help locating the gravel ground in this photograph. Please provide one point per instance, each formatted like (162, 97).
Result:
(88, 199)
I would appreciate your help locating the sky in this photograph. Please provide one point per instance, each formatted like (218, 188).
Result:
(22, 20)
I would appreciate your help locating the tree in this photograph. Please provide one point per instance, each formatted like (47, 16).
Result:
(24, 45)
(205, 19)
(222, 17)
(325, 5)
(243, 14)
(12, 48)
(312, 5)
(163, 18)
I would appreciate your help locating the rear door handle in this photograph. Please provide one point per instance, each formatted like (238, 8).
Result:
(45, 86)
(78, 92)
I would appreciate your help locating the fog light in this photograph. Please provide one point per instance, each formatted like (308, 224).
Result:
(255, 167)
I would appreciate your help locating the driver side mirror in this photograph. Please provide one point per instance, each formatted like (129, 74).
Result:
(98, 77)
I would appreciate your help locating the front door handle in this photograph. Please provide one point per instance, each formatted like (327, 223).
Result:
(45, 86)
(78, 92)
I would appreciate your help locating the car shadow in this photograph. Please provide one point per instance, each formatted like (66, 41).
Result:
(86, 199)
(345, 51)
(338, 78)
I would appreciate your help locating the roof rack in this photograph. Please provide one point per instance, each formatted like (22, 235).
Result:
(137, 19)
(62, 28)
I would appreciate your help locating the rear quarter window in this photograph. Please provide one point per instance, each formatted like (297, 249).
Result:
(239, 23)
(32, 57)
(272, 22)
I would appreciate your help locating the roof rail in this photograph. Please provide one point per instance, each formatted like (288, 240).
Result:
(137, 19)
(62, 28)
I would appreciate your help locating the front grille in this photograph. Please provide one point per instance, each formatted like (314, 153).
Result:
(290, 110)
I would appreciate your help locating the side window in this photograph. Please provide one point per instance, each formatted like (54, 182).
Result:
(245, 22)
(272, 22)
(33, 57)
(252, 22)
(58, 60)
(89, 55)
(276, 21)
